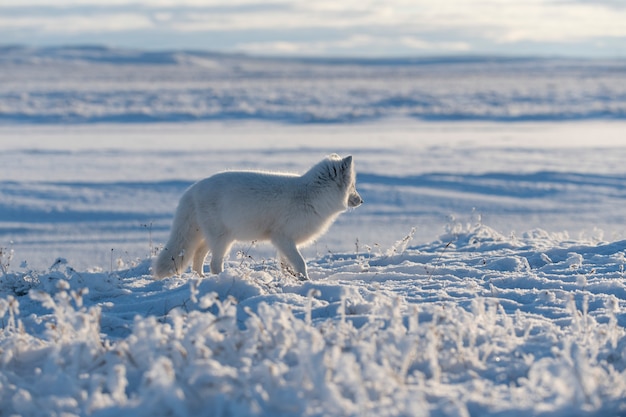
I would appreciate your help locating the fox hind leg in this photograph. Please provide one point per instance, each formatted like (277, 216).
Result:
(198, 257)
(219, 249)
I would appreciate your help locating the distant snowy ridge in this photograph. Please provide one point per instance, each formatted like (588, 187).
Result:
(97, 84)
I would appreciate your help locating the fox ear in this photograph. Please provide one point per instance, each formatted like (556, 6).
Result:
(347, 161)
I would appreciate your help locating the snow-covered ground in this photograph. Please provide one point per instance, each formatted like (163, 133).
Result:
(474, 324)
(483, 276)
(87, 85)
(90, 193)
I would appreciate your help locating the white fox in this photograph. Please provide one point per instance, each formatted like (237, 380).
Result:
(288, 210)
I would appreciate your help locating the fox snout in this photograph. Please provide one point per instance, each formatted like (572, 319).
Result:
(354, 200)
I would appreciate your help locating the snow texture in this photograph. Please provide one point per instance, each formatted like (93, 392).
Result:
(473, 324)
(81, 85)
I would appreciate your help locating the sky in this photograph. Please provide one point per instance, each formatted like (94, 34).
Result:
(344, 28)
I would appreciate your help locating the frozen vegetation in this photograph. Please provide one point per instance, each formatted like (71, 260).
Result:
(483, 275)
(473, 324)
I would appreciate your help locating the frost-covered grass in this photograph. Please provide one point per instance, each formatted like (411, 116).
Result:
(475, 323)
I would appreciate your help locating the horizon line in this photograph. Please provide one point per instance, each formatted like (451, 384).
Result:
(330, 58)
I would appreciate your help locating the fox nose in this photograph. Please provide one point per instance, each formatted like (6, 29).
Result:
(355, 201)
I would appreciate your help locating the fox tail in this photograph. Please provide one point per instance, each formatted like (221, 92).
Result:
(177, 253)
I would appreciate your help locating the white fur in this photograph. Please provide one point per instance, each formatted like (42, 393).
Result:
(288, 210)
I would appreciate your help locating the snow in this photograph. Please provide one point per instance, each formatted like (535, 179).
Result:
(92, 192)
(483, 275)
(481, 324)
(87, 85)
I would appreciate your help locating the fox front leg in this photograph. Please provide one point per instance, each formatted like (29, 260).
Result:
(289, 251)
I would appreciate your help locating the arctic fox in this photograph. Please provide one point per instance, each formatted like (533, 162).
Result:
(288, 210)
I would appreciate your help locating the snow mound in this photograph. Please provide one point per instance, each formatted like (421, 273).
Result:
(473, 324)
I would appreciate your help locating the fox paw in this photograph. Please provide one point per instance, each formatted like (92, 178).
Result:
(289, 270)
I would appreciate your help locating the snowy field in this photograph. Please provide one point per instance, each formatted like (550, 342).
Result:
(483, 275)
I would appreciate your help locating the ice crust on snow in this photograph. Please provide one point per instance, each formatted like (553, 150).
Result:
(471, 324)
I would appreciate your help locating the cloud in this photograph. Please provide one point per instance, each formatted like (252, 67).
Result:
(77, 23)
(570, 24)
(420, 44)
(323, 26)
(363, 43)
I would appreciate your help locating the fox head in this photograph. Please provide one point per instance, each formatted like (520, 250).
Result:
(342, 171)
